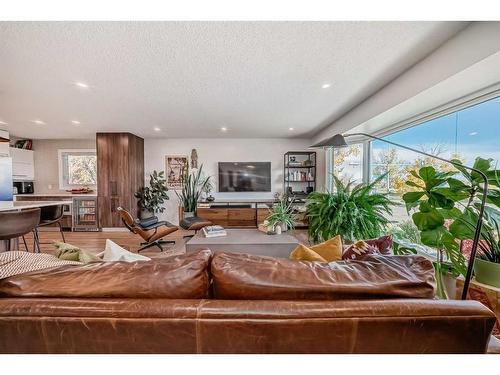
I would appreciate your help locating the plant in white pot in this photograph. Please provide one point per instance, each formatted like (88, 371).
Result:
(152, 197)
(194, 184)
(487, 264)
(281, 214)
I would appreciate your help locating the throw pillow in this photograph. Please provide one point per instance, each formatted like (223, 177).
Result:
(302, 252)
(330, 250)
(115, 253)
(66, 251)
(383, 244)
(359, 250)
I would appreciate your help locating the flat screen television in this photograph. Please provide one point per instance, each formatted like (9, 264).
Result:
(244, 176)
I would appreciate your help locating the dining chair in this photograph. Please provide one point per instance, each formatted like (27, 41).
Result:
(18, 223)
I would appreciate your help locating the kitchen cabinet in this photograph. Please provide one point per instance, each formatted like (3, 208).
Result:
(23, 164)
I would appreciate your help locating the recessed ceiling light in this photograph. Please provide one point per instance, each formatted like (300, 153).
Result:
(75, 122)
(81, 85)
(38, 122)
(291, 129)
(473, 133)
(325, 85)
(157, 129)
(223, 129)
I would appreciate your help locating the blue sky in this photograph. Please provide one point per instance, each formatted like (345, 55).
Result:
(474, 131)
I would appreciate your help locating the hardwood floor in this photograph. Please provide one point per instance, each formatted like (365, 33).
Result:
(95, 241)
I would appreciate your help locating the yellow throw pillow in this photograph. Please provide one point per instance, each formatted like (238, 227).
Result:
(302, 252)
(330, 250)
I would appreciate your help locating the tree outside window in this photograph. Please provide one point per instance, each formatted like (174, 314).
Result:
(77, 168)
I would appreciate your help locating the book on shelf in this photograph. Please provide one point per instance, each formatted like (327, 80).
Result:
(214, 231)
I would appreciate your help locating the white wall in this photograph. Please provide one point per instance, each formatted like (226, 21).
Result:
(211, 151)
(47, 161)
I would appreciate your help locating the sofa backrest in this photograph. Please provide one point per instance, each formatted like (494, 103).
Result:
(250, 277)
(107, 325)
(181, 277)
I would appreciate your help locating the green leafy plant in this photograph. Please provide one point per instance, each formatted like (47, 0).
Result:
(354, 212)
(446, 209)
(194, 184)
(490, 246)
(282, 213)
(152, 197)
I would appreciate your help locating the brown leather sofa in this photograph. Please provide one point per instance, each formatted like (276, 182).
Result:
(237, 303)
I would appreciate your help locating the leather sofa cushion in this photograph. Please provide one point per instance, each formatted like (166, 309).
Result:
(250, 277)
(179, 277)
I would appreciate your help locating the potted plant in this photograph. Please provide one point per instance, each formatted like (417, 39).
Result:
(353, 212)
(194, 184)
(487, 264)
(446, 212)
(207, 190)
(281, 214)
(152, 197)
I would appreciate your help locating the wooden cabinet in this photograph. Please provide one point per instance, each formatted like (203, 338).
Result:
(262, 214)
(120, 173)
(241, 217)
(230, 216)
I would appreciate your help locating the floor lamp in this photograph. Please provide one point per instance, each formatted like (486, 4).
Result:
(338, 140)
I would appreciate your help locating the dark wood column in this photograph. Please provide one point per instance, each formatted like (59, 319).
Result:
(120, 173)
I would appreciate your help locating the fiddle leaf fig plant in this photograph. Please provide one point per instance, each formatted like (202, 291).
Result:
(446, 209)
(152, 197)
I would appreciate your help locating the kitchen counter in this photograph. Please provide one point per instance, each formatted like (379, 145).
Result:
(16, 206)
(64, 195)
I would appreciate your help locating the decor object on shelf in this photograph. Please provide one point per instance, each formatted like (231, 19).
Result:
(194, 184)
(26, 144)
(207, 189)
(194, 159)
(281, 214)
(299, 173)
(152, 197)
(477, 176)
(84, 190)
(176, 167)
(353, 212)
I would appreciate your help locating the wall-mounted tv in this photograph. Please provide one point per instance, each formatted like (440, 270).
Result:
(244, 176)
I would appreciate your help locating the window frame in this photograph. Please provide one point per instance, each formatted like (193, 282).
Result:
(62, 184)
(476, 98)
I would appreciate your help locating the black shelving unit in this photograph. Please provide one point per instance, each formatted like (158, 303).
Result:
(299, 173)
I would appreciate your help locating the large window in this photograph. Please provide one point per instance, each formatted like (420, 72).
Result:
(348, 163)
(77, 168)
(463, 135)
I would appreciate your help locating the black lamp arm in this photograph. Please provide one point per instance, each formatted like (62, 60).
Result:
(477, 233)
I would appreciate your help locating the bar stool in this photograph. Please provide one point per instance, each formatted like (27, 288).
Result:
(49, 215)
(18, 223)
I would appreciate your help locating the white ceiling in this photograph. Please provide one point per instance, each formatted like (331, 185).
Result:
(258, 79)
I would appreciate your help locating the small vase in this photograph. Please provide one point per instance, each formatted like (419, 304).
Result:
(188, 214)
(277, 229)
(284, 227)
